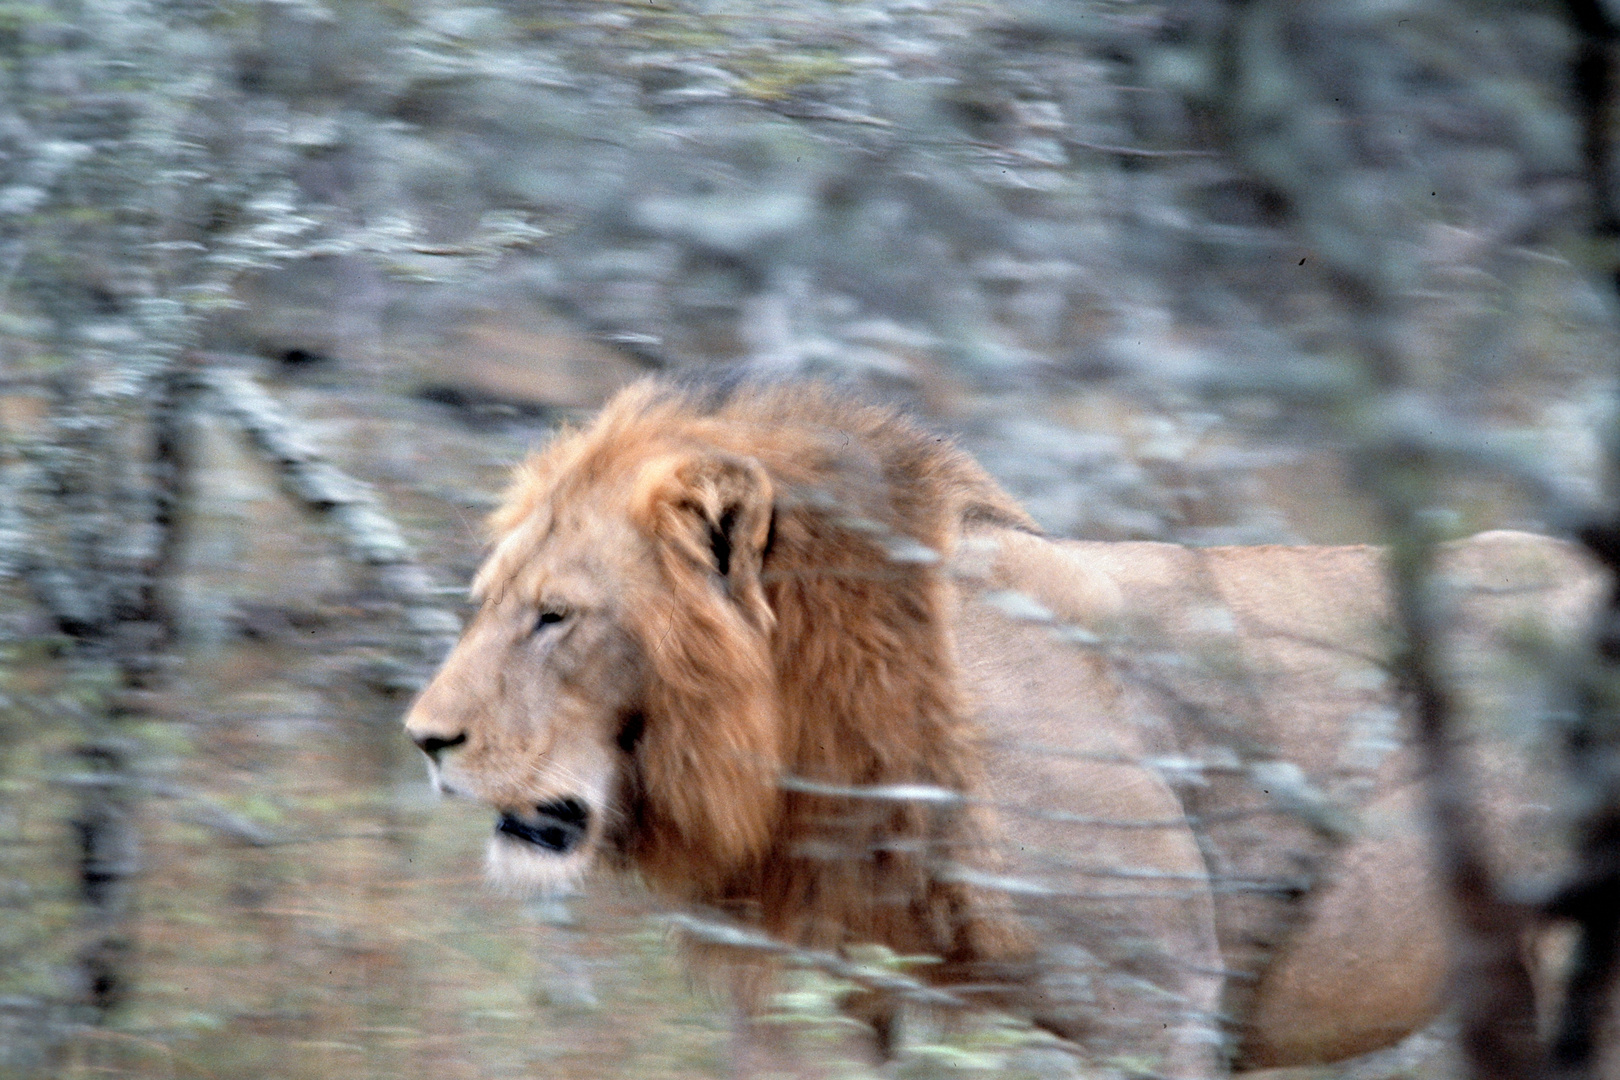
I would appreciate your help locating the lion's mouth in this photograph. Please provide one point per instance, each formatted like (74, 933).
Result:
(558, 827)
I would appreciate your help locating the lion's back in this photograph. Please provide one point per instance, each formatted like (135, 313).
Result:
(1286, 646)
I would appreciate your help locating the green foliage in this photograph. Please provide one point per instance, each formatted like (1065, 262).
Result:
(810, 1007)
(769, 75)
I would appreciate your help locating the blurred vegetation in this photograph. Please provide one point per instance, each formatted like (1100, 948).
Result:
(1082, 235)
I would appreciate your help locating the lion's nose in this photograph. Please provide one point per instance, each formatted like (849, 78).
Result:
(559, 826)
(433, 745)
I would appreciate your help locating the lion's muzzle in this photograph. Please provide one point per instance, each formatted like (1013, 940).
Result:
(557, 826)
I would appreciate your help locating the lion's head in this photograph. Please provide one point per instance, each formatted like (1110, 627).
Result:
(688, 600)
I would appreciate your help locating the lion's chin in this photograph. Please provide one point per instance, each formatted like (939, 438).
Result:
(516, 867)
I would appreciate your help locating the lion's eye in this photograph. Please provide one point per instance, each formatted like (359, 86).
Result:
(549, 617)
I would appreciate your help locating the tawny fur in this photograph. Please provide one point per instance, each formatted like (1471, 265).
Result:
(774, 589)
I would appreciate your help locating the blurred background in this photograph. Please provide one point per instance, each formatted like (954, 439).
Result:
(286, 288)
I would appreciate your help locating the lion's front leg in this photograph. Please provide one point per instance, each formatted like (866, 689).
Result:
(1106, 873)
(1135, 981)
(766, 1046)
(1098, 857)
(1124, 1021)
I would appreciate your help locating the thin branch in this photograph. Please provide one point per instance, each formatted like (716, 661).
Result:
(372, 537)
(1490, 982)
(1591, 896)
(1491, 986)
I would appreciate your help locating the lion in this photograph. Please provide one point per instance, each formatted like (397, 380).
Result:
(796, 661)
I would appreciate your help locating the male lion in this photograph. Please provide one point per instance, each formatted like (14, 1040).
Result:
(800, 662)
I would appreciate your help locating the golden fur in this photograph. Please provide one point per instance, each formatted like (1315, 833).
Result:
(708, 616)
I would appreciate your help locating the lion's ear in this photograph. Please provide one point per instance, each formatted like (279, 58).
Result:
(711, 752)
(713, 511)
